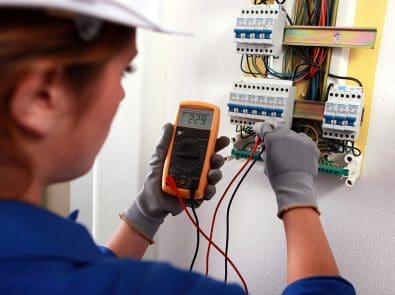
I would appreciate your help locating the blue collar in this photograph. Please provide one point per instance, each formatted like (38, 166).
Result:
(30, 231)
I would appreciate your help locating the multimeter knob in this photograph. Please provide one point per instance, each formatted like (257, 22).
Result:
(188, 154)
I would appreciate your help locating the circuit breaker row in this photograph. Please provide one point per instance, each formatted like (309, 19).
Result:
(260, 30)
(253, 100)
(343, 113)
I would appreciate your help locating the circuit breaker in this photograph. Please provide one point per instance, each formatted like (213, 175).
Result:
(252, 100)
(343, 113)
(260, 30)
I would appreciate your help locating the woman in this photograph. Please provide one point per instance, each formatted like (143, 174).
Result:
(61, 64)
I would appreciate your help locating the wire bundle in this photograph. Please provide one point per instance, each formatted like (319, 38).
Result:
(315, 59)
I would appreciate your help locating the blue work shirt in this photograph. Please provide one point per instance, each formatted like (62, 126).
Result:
(43, 253)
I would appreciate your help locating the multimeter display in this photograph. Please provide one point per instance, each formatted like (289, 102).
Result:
(194, 118)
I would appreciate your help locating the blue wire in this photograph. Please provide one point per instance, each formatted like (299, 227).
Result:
(285, 75)
(313, 88)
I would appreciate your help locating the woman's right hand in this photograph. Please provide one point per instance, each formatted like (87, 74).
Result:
(291, 163)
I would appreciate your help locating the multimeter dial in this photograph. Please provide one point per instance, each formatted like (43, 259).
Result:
(188, 154)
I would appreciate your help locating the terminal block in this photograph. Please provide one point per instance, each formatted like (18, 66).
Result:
(324, 166)
(260, 30)
(343, 113)
(255, 100)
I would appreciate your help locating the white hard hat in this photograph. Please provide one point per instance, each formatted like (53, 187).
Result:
(134, 13)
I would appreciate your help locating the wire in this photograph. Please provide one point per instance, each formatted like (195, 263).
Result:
(222, 198)
(288, 17)
(247, 130)
(346, 78)
(192, 193)
(327, 91)
(329, 74)
(277, 74)
(256, 67)
(311, 13)
(349, 146)
(228, 212)
(314, 131)
(247, 144)
(303, 64)
(242, 68)
(249, 67)
(172, 183)
(339, 146)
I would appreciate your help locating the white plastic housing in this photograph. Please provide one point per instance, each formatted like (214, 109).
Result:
(354, 165)
(255, 100)
(343, 113)
(260, 30)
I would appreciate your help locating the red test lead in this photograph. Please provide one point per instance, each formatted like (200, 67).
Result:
(170, 182)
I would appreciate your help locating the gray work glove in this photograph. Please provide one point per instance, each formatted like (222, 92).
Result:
(291, 163)
(152, 204)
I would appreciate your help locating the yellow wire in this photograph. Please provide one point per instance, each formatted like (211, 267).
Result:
(314, 131)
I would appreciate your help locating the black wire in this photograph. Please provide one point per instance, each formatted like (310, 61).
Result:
(310, 64)
(329, 74)
(192, 192)
(248, 64)
(339, 146)
(288, 17)
(346, 78)
(327, 91)
(347, 148)
(247, 130)
(228, 213)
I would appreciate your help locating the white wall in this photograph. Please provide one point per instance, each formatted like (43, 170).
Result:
(359, 222)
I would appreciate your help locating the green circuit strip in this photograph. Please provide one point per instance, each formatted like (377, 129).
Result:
(334, 170)
(245, 154)
(325, 166)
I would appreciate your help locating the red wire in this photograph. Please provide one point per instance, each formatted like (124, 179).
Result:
(171, 182)
(319, 53)
(222, 198)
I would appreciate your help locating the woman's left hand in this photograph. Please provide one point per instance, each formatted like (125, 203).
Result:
(152, 204)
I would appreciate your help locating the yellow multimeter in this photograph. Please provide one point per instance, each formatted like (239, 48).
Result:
(192, 145)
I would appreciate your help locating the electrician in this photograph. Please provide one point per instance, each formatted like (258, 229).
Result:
(61, 64)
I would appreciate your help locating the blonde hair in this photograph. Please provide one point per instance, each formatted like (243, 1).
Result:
(25, 36)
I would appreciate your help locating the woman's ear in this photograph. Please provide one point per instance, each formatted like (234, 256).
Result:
(38, 98)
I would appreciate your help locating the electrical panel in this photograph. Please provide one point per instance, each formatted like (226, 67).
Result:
(288, 70)
(343, 113)
(260, 30)
(253, 100)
